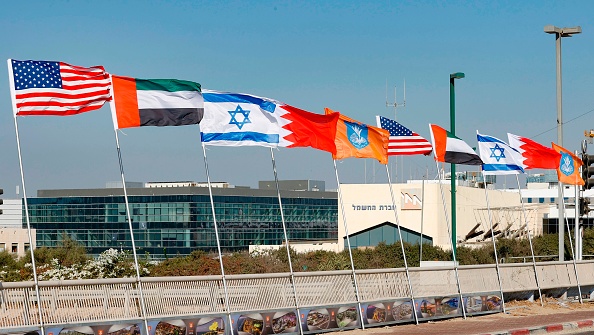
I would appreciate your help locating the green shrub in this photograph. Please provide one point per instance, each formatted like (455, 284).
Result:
(70, 254)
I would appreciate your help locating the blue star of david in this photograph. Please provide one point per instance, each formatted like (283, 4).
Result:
(494, 155)
(239, 110)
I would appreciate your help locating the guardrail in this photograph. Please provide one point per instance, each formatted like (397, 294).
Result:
(116, 301)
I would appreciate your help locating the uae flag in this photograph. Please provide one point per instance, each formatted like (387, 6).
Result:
(155, 102)
(450, 149)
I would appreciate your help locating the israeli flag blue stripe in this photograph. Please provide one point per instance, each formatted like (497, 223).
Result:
(491, 139)
(240, 137)
(501, 167)
(239, 98)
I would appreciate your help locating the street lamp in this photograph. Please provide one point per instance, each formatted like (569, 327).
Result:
(453, 76)
(559, 33)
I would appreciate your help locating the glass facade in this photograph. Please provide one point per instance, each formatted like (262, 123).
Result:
(175, 224)
(551, 225)
(387, 233)
(548, 177)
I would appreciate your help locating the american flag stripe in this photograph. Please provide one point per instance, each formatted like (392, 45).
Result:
(66, 103)
(408, 149)
(402, 140)
(82, 71)
(81, 85)
(62, 111)
(81, 95)
(56, 88)
(45, 106)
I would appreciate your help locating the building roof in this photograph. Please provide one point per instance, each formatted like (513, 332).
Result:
(107, 192)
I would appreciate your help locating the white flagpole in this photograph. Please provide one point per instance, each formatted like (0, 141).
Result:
(31, 245)
(494, 245)
(412, 296)
(422, 217)
(461, 302)
(576, 231)
(530, 241)
(286, 241)
(346, 231)
(577, 278)
(214, 217)
(139, 282)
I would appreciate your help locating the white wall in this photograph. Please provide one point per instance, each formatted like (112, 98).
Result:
(367, 205)
(15, 240)
(12, 216)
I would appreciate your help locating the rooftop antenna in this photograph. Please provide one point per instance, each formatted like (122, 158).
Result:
(395, 105)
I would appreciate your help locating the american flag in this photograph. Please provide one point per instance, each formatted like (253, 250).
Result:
(403, 141)
(56, 88)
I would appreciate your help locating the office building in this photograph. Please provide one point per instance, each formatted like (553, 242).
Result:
(177, 218)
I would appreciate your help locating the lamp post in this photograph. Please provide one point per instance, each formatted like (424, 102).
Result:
(453, 76)
(559, 33)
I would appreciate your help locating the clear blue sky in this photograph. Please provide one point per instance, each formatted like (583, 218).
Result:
(310, 54)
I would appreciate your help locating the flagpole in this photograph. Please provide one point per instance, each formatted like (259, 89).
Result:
(422, 217)
(286, 240)
(577, 278)
(461, 303)
(530, 241)
(576, 231)
(214, 217)
(31, 245)
(412, 296)
(494, 244)
(139, 282)
(346, 231)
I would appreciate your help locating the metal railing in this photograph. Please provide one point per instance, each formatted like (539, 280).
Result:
(105, 301)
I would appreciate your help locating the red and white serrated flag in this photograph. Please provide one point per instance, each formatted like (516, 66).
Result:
(535, 155)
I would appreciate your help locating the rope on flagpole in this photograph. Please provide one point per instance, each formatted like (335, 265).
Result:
(530, 241)
(494, 245)
(412, 296)
(214, 217)
(129, 218)
(27, 219)
(346, 231)
(461, 302)
(286, 241)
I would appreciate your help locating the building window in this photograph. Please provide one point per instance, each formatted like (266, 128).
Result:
(2, 247)
(27, 247)
(15, 248)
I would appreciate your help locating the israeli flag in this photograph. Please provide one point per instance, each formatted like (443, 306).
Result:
(498, 157)
(238, 119)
